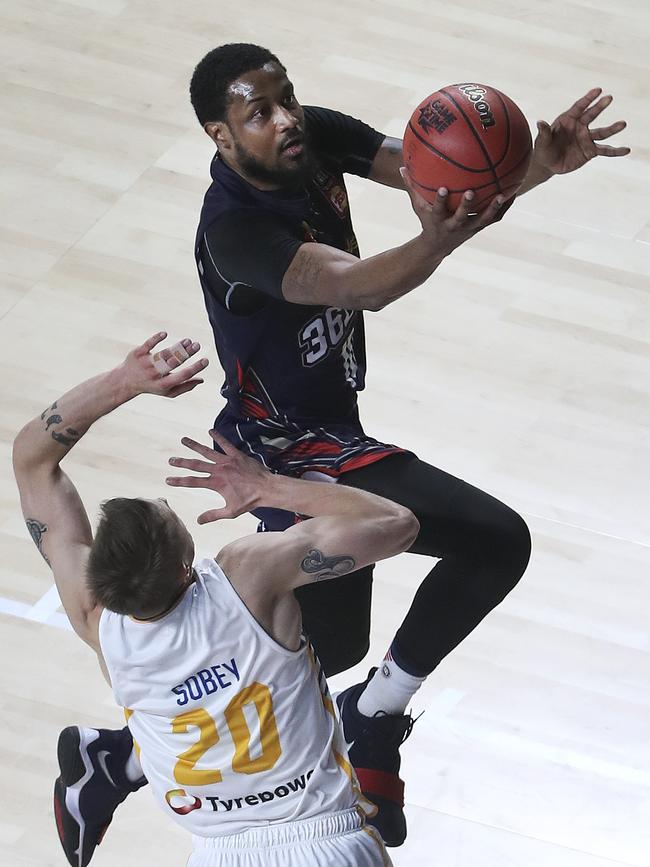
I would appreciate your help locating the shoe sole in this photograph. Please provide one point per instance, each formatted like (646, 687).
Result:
(395, 836)
(76, 770)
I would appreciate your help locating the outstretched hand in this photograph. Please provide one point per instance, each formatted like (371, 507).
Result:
(239, 479)
(449, 229)
(569, 142)
(165, 372)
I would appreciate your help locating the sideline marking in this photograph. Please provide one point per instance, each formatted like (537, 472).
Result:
(519, 746)
(43, 611)
(46, 606)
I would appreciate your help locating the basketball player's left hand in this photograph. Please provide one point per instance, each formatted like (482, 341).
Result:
(239, 479)
(164, 372)
(570, 142)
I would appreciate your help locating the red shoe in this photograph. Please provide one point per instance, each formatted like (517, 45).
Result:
(373, 747)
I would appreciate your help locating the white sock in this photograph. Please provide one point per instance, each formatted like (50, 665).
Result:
(133, 769)
(389, 690)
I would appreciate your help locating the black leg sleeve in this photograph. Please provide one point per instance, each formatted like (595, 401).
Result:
(484, 548)
(336, 618)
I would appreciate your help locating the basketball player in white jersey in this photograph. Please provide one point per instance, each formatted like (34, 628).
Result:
(234, 725)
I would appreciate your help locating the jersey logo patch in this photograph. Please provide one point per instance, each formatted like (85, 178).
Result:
(334, 192)
(309, 234)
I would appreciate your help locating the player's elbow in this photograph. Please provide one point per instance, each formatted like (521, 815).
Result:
(374, 305)
(410, 528)
(401, 529)
(21, 455)
(28, 464)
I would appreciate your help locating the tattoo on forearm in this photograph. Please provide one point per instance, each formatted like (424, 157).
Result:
(326, 567)
(36, 530)
(53, 419)
(306, 272)
(66, 438)
(69, 438)
(49, 409)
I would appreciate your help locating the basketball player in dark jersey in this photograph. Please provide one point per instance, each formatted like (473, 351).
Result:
(285, 292)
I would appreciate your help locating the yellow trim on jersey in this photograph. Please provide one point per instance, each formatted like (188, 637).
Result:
(368, 807)
(345, 766)
(128, 713)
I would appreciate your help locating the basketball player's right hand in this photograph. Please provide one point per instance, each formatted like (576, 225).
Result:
(167, 372)
(447, 229)
(239, 479)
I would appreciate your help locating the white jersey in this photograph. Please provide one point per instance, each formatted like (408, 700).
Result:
(234, 730)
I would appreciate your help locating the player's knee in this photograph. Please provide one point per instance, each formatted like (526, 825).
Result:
(511, 547)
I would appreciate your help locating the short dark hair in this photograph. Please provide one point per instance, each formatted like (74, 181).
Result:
(216, 72)
(135, 558)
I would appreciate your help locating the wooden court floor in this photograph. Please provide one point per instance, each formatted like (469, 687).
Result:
(522, 366)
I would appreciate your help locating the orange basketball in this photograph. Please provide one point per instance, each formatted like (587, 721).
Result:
(467, 137)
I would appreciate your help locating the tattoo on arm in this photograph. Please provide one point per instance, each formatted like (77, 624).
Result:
(53, 419)
(49, 409)
(306, 271)
(36, 530)
(69, 438)
(315, 563)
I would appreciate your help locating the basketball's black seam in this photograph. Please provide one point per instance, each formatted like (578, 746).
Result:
(477, 137)
(449, 189)
(443, 155)
(507, 190)
(507, 117)
(516, 166)
(480, 187)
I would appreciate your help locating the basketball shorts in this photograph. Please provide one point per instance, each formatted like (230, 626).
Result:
(336, 840)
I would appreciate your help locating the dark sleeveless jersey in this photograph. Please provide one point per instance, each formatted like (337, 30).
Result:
(292, 371)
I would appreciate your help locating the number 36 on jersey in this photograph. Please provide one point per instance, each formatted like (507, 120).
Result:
(324, 333)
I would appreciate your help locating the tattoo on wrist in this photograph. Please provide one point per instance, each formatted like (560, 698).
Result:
(36, 530)
(315, 563)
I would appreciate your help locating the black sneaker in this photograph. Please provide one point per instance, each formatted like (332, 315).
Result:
(373, 747)
(91, 785)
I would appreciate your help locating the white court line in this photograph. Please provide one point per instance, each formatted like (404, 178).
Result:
(46, 606)
(438, 714)
(444, 703)
(27, 612)
(16, 609)
(585, 529)
(518, 746)
(593, 229)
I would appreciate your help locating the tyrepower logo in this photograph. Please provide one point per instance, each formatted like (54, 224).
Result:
(182, 803)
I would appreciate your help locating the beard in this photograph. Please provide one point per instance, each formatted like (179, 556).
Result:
(295, 175)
